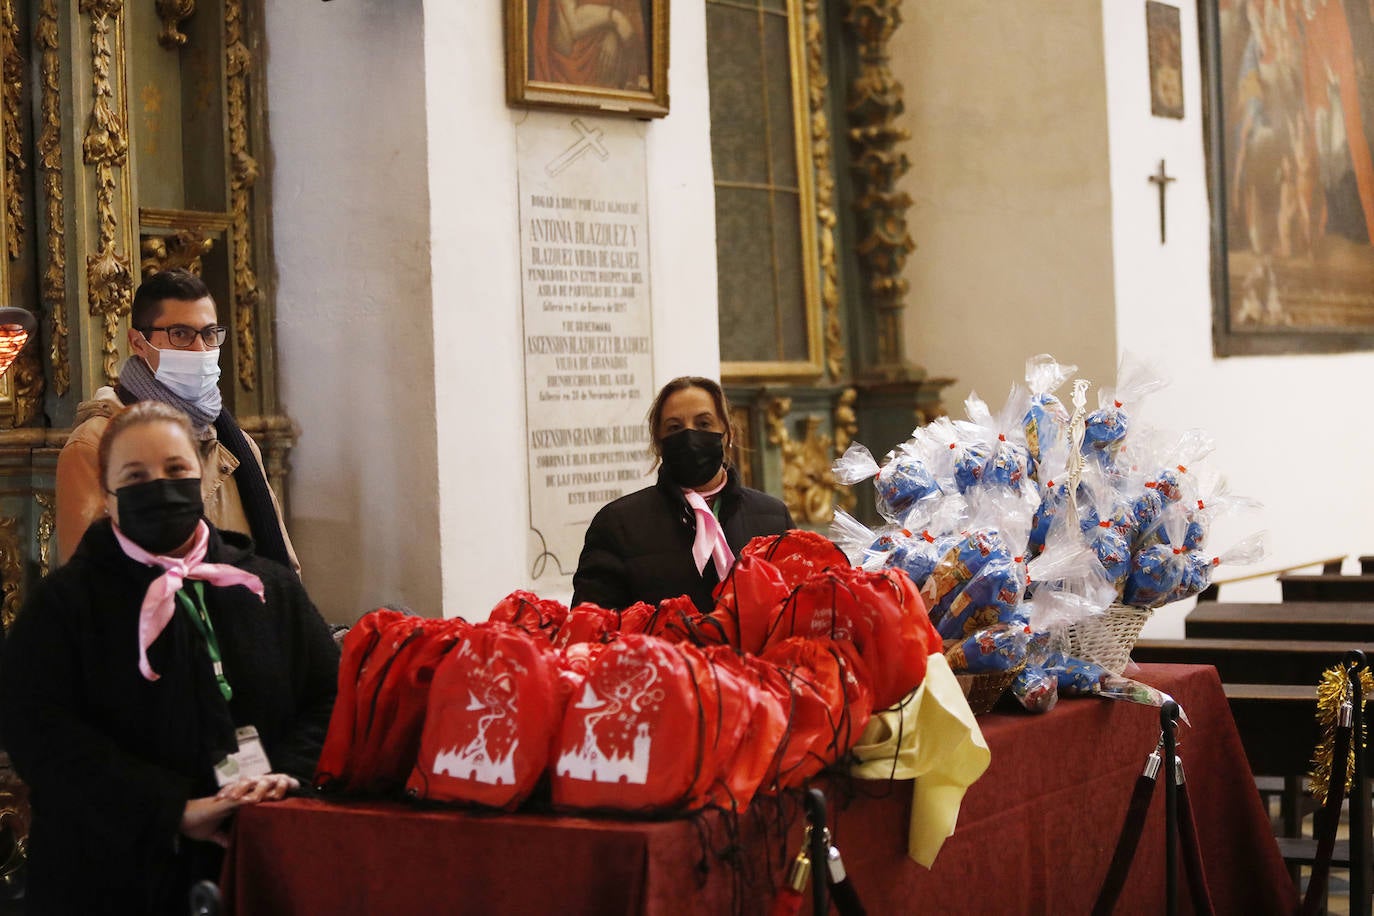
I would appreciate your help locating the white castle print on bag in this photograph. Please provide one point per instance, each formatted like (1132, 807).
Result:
(472, 762)
(589, 763)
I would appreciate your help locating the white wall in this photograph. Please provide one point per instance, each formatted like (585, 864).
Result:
(1289, 429)
(1012, 210)
(1031, 150)
(346, 90)
(399, 296)
(483, 492)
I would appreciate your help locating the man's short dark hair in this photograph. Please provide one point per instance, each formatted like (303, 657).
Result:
(178, 284)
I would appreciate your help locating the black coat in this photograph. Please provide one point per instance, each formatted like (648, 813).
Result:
(110, 758)
(639, 547)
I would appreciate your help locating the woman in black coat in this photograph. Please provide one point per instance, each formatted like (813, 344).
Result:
(680, 536)
(131, 673)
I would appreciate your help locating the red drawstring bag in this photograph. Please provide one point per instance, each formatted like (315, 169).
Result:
(586, 623)
(359, 642)
(707, 692)
(393, 694)
(880, 612)
(748, 600)
(493, 712)
(753, 723)
(798, 554)
(678, 620)
(632, 739)
(831, 704)
(775, 688)
(530, 612)
(639, 617)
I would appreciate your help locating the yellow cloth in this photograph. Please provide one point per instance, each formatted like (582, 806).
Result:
(940, 747)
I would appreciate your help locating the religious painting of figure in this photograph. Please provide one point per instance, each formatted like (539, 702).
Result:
(607, 55)
(1290, 130)
(1165, 40)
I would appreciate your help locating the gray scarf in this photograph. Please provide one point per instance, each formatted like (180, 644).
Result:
(136, 378)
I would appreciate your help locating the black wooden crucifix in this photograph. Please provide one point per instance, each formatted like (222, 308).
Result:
(1161, 179)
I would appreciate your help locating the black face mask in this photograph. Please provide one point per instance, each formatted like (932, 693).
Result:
(693, 456)
(160, 515)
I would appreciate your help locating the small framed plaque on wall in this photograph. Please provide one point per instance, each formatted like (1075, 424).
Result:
(1166, 60)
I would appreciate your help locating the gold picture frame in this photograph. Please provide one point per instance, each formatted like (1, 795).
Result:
(607, 56)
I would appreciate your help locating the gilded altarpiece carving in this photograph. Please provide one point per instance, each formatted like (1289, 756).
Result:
(131, 135)
(812, 240)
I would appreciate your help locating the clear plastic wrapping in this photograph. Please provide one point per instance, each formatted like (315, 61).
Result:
(1106, 427)
(1046, 418)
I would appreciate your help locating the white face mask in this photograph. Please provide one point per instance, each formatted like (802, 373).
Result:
(190, 374)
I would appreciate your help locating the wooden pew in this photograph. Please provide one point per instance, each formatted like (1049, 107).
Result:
(1332, 621)
(1252, 661)
(1327, 588)
(1278, 728)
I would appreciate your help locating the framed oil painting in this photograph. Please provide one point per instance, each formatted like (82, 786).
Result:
(1289, 106)
(609, 56)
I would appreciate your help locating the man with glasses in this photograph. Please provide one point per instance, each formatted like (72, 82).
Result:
(174, 341)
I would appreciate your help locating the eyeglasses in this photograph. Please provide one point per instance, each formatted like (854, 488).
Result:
(183, 335)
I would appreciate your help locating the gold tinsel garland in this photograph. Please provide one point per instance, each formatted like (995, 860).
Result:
(1331, 693)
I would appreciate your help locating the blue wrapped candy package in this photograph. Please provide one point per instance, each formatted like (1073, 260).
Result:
(989, 597)
(1045, 418)
(1000, 647)
(901, 483)
(1075, 676)
(1035, 689)
(1105, 429)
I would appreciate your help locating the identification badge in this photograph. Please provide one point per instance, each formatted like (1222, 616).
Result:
(248, 762)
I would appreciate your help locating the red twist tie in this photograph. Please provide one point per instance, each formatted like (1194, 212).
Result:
(1116, 402)
(1001, 437)
(1104, 524)
(1216, 561)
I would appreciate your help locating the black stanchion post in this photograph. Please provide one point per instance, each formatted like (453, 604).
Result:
(819, 852)
(1168, 722)
(1355, 664)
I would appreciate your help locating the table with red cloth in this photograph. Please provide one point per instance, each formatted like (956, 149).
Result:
(1035, 835)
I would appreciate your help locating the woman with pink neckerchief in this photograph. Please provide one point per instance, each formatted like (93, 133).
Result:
(162, 678)
(680, 536)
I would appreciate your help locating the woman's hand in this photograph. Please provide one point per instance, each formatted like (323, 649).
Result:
(204, 819)
(251, 790)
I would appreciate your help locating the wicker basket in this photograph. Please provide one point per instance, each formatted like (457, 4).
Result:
(985, 689)
(1107, 638)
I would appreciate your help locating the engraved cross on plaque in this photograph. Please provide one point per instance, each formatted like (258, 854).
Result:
(1161, 179)
(589, 140)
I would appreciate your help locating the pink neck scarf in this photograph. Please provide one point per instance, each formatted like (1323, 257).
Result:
(710, 543)
(159, 603)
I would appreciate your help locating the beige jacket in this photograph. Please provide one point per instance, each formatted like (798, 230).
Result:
(81, 494)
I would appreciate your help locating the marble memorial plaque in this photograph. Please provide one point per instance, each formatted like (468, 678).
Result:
(589, 380)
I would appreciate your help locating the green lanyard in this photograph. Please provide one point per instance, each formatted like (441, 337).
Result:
(200, 617)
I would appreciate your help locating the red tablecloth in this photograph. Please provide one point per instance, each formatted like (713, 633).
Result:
(1035, 835)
